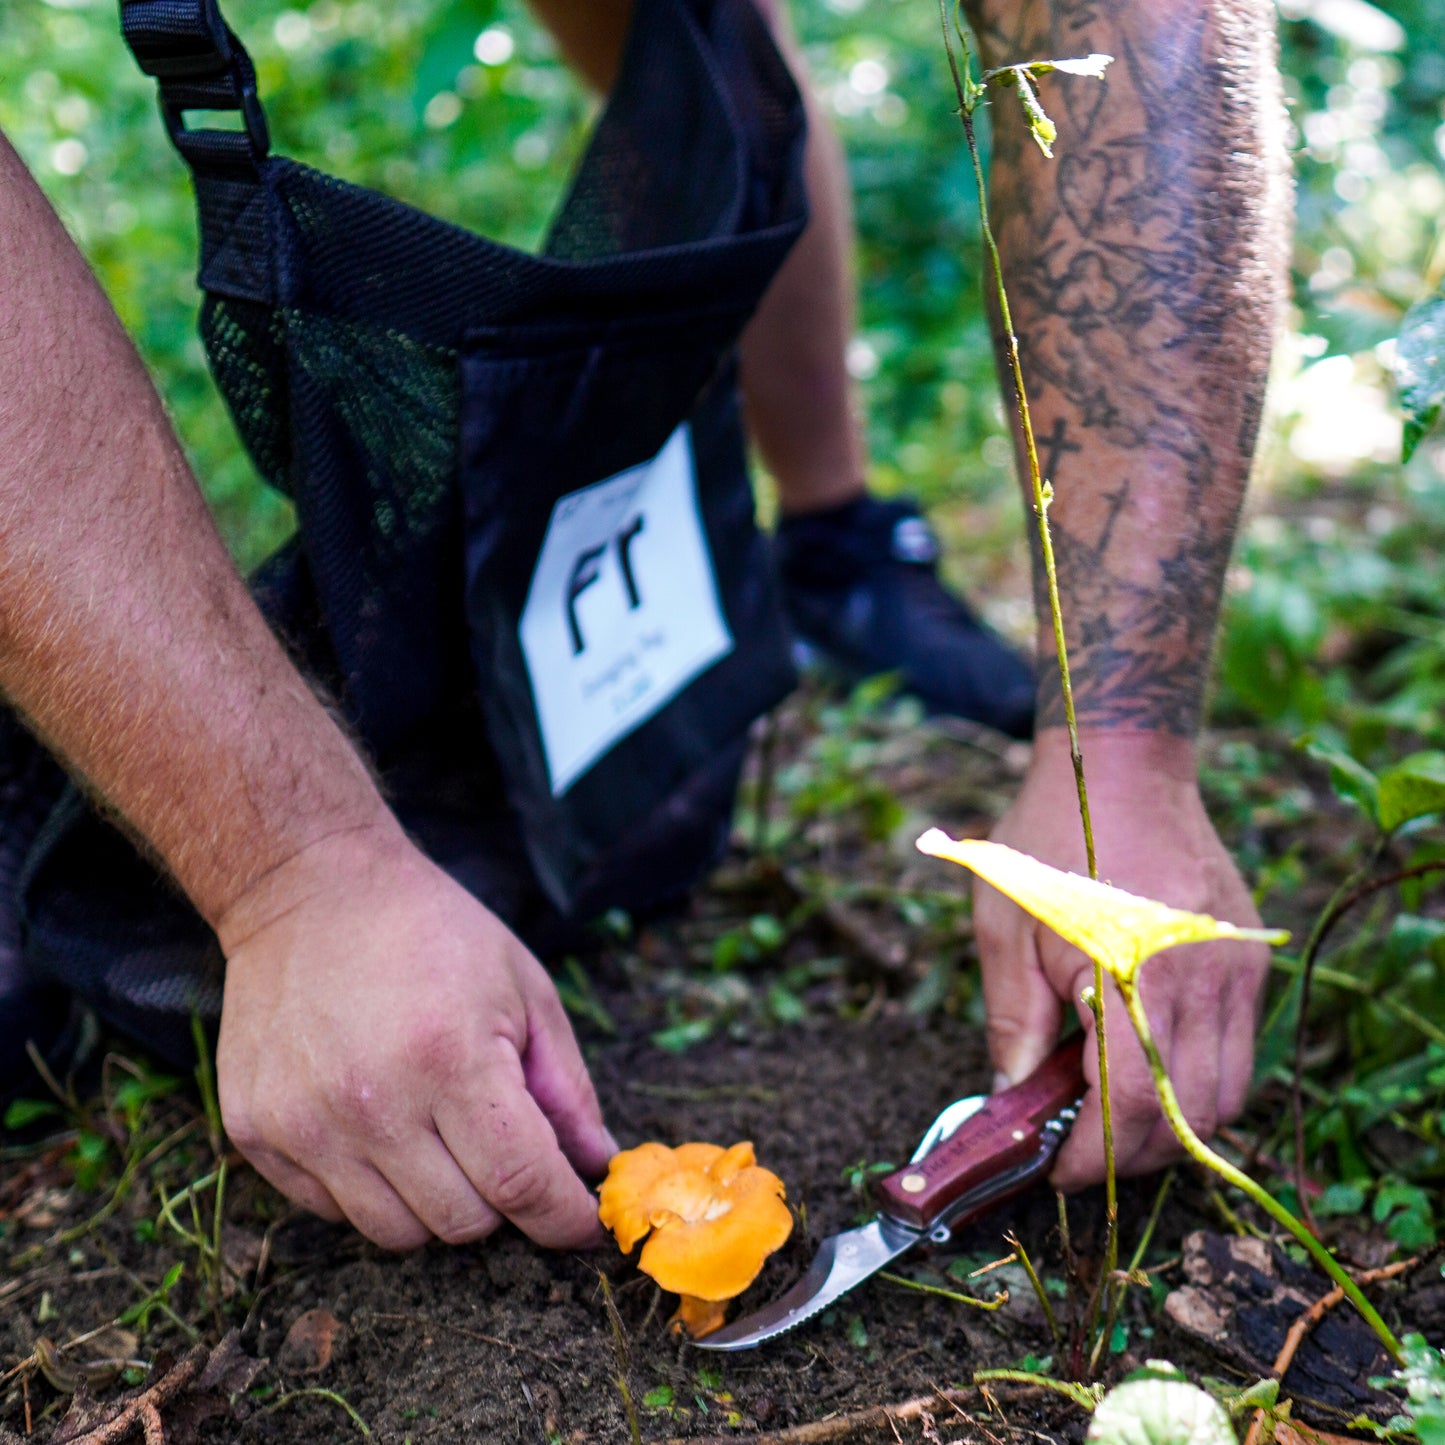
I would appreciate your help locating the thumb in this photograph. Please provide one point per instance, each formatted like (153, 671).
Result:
(1024, 1012)
(557, 1079)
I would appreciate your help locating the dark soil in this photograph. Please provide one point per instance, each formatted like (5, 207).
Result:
(502, 1342)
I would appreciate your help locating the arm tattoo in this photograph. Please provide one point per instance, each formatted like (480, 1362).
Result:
(1144, 268)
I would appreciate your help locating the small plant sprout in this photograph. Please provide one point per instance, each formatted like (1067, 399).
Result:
(713, 1217)
(1119, 931)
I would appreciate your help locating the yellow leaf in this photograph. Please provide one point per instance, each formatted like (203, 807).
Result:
(1118, 929)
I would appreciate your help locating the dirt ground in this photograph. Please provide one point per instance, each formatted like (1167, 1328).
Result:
(835, 1047)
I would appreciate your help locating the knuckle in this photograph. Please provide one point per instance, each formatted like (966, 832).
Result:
(519, 1187)
(241, 1127)
(435, 1049)
(296, 1130)
(365, 1107)
(395, 1236)
(466, 1229)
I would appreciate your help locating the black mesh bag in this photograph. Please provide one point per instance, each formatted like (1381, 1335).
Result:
(526, 564)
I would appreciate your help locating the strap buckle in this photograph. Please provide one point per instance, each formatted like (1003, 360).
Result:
(201, 65)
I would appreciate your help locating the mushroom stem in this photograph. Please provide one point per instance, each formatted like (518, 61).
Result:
(698, 1317)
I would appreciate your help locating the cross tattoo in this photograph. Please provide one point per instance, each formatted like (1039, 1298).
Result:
(1054, 446)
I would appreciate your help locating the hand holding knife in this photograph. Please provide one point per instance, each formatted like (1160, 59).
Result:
(979, 1152)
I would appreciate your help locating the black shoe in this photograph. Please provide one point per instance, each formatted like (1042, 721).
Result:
(32, 1010)
(860, 584)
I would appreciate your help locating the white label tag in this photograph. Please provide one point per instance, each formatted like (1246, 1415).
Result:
(623, 609)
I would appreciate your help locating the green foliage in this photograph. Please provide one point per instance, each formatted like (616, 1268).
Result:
(1422, 1375)
(1420, 370)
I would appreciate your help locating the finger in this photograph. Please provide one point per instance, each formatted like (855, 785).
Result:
(556, 1077)
(1189, 1046)
(1133, 1107)
(432, 1186)
(295, 1183)
(1024, 1012)
(1238, 1029)
(506, 1147)
(374, 1208)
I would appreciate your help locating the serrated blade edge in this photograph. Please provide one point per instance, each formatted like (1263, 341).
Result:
(843, 1260)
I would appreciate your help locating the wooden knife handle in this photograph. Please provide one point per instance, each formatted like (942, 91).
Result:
(1004, 1135)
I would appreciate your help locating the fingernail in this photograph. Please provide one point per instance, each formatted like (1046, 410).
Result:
(1001, 1081)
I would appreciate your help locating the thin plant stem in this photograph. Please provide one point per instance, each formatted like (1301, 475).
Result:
(1198, 1150)
(1359, 885)
(1042, 493)
(1086, 1395)
(1332, 912)
(1121, 1286)
(619, 1347)
(997, 1302)
(315, 1392)
(1016, 1244)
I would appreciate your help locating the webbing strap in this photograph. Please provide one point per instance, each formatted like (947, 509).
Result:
(187, 46)
(189, 49)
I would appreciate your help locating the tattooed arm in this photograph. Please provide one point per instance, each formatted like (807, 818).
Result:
(1144, 270)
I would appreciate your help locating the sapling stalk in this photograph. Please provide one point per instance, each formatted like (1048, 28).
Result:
(1121, 931)
(1199, 1151)
(971, 93)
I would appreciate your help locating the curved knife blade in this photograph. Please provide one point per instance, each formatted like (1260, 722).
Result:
(980, 1155)
(842, 1261)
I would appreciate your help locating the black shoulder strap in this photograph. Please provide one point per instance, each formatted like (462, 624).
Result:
(189, 49)
(187, 46)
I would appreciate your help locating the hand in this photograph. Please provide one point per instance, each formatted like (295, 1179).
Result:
(1153, 838)
(392, 1055)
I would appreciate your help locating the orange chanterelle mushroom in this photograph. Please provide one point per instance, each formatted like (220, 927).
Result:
(714, 1217)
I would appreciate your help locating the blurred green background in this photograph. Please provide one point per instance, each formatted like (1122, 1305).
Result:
(461, 107)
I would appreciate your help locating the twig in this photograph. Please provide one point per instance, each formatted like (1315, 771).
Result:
(1307, 1321)
(144, 1410)
(837, 1427)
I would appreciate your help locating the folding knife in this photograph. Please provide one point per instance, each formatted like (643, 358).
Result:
(979, 1152)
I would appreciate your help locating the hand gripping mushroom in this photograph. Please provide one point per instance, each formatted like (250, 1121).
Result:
(714, 1216)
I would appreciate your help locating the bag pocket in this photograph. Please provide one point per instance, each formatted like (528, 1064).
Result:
(624, 622)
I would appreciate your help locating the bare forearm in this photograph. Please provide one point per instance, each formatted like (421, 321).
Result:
(126, 635)
(1144, 268)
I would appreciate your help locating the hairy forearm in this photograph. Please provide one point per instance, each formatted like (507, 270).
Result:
(1144, 267)
(126, 636)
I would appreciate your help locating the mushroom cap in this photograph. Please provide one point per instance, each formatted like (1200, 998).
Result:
(713, 1214)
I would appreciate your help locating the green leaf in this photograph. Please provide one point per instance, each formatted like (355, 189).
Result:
(658, 1398)
(1160, 1412)
(1340, 1199)
(1413, 788)
(1397, 1194)
(1156, 1370)
(1423, 1377)
(681, 1037)
(1420, 370)
(23, 1112)
(1352, 781)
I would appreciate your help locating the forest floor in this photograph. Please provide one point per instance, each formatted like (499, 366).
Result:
(817, 998)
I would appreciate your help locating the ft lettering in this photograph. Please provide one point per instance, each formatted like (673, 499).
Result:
(587, 569)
